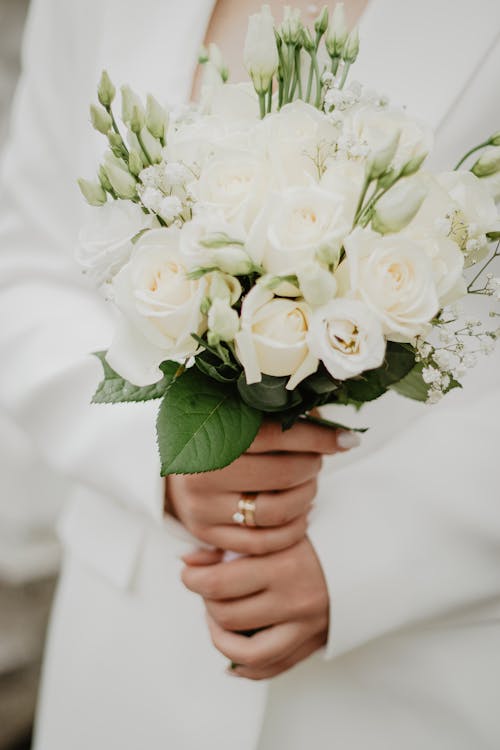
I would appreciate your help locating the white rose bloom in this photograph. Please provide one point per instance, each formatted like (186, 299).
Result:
(105, 243)
(375, 126)
(273, 338)
(395, 279)
(345, 177)
(347, 338)
(160, 309)
(447, 267)
(193, 142)
(236, 102)
(299, 225)
(234, 182)
(293, 138)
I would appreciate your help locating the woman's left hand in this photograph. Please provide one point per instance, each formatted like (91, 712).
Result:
(283, 592)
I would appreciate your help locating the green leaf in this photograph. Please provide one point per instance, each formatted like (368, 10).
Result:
(399, 360)
(269, 395)
(328, 423)
(413, 385)
(114, 389)
(212, 366)
(321, 382)
(203, 425)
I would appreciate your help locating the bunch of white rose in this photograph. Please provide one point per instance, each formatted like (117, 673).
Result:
(279, 235)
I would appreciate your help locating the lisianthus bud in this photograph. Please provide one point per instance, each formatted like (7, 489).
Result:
(232, 259)
(92, 192)
(116, 144)
(291, 26)
(203, 55)
(122, 182)
(130, 100)
(351, 48)
(413, 165)
(103, 179)
(137, 119)
(495, 139)
(399, 205)
(321, 23)
(100, 119)
(152, 146)
(488, 163)
(135, 164)
(336, 35)
(306, 40)
(260, 54)
(156, 117)
(380, 160)
(317, 284)
(217, 60)
(223, 322)
(106, 91)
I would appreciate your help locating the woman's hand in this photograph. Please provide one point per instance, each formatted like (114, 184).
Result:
(284, 592)
(282, 467)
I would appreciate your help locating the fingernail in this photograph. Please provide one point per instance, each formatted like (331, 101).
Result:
(347, 440)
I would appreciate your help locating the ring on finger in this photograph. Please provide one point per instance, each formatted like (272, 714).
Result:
(245, 515)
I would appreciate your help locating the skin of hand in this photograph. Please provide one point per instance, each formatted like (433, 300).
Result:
(282, 467)
(283, 592)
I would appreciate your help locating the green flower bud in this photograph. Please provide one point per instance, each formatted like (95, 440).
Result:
(100, 119)
(156, 118)
(103, 179)
(152, 146)
(321, 23)
(337, 32)
(307, 41)
(351, 48)
(122, 182)
(135, 163)
(413, 165)
(116, 144)
(380, 160)
(203, 55)
(495, 139)
(396, 208)
(129, 101)
(488, 163)
(215, 57)
(223, 322)
(137, 119)
(105, 91)
(92, 192)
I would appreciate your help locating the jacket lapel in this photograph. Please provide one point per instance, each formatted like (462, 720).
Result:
(423, 54)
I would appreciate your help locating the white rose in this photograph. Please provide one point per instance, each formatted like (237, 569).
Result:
(160, 309)
(297, 139)
(345, 177)
(192, 142)
(347, 338)
(376, 127)
(233, 182)
(297, 226)
(273, 338)
(395, 279)
(105, 243)
(236, 102)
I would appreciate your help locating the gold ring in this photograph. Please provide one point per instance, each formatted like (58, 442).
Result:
(245, 515)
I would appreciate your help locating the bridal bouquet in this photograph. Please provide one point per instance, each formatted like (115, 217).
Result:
(280, 246)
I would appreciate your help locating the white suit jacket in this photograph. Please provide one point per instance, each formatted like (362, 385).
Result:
(407, 527)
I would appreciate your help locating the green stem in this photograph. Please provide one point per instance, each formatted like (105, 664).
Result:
(319, 87)
(310, 77)
(270, 97)
(364, 216)
(362, 197)
(469, 153)
(344, 75)
(335, 65)
(496, 254)
(262, 104)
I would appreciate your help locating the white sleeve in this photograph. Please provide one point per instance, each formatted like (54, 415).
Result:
(50, 318)
(411, 532)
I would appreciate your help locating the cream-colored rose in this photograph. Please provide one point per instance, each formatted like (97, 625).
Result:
(233, 183)
(394, 278)
(346, 337)
(273, 338)
(105, 243)
(160, 309)
(297, 140)
(297, 226)
(376, 126)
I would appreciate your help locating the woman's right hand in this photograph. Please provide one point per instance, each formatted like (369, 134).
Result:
(282, 467)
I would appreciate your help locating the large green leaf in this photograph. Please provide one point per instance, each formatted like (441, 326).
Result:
(203, 425)
(114, 389)
(399, 360)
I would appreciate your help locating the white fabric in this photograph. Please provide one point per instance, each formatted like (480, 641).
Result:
(407, 526)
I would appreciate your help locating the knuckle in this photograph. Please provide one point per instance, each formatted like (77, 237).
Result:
(259, 544)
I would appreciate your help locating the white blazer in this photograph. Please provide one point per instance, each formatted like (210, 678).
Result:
(407, 527)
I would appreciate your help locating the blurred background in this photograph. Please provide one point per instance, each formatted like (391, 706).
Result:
(28, 547)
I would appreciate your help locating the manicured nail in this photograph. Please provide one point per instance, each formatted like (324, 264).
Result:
(347, 440)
